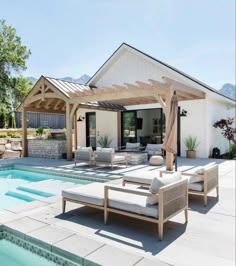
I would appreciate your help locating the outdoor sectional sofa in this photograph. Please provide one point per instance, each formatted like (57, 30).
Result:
(170, 200)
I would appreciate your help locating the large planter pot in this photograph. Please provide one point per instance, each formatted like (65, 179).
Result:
(190, 154)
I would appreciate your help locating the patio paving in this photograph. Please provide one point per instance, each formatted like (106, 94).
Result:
(207, 239)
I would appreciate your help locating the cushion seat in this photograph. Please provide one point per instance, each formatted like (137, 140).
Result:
(137, 179)
(198, 186)
(94, 194)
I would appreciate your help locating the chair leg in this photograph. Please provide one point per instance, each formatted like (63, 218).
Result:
(123, 183)
(160, 230)
(105, 216)
(186, 215)
(205, 200)
(217, 191)
(63, 205)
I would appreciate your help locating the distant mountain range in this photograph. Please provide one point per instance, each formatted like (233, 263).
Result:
(82, 80)
(229, 90)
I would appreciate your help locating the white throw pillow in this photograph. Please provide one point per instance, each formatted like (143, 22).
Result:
(158, 182)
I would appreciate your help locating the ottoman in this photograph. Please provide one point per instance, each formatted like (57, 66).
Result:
(156, 160)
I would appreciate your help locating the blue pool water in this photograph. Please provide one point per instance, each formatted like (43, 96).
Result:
(13, 255)
(15, 190)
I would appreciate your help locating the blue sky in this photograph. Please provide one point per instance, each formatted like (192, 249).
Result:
(74, 37)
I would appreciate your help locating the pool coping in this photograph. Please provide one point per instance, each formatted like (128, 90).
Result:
(59, 172)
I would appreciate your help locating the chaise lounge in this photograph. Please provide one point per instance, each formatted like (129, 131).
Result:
(159, 207)
(201, 180)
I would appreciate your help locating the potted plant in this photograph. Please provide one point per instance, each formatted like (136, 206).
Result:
(191, 144)
(104, 141)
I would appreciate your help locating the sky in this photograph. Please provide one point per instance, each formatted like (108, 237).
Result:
(75, 37)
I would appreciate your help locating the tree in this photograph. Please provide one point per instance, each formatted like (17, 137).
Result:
(13, 56)
(227, 130)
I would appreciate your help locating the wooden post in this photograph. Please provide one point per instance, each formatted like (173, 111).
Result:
(118, 129)
(75, 130)
(24, 132)
(169, 155)
(68, 132)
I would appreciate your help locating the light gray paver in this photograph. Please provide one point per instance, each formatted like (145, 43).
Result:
(149, 262)
(27, 206)
(48, 235)
(7, 216)
(75, 246)
(24, 225)
(108, 255)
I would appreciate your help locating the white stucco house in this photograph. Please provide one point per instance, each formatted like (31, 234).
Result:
(128, 99)
(127, 65)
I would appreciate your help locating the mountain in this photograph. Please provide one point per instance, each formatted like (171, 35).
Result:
(82, 80)
(229, 90)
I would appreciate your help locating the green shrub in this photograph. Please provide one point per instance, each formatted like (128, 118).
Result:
(3, 136)
(104, 141)
(3, 119)
(233, 150)
(39, 131)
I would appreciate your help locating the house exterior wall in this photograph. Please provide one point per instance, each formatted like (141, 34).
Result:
(217, 110)
(129, 67)
(106, 123)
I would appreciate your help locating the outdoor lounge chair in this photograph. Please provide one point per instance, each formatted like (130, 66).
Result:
(154, 149)
(201, 180)
(108, 156)
(132, 147)
(172, 199)
(85, 155)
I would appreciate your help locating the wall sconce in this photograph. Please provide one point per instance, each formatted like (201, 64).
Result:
(81, 118)
(183, 113)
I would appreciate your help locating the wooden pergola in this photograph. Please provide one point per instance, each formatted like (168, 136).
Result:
(55, 96)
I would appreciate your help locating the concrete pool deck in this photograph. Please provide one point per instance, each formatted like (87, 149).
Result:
(207, 239)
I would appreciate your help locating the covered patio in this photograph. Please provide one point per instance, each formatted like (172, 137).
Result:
(57, 96)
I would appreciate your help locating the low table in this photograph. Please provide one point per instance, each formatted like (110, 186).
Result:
(137, 157)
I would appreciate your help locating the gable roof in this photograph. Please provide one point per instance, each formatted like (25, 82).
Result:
(123, 46)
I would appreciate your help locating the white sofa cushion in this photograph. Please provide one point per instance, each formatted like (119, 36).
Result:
(133, 146)
(132, 203)
(199, 171)
(197, 186)
(138, 179)
(91, 193)
(154, 147)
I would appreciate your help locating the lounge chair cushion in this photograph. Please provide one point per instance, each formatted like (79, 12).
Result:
(99, 149)
(91, 193)
(132, 203)
(158, 182)
(118, 158)
(133, 146)
(197, 186)
(85, 148)
(199, 171)
(94, 194)
(137, 179)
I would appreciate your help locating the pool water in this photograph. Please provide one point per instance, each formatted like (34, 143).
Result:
(13, 255)
(18, 186)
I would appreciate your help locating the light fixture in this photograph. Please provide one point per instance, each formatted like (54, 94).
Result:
(183, 113)
(81, 118)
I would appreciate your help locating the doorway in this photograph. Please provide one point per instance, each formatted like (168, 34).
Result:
(91, 129)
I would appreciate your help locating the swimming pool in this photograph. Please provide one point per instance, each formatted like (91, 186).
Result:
(19, 186)
(18, 252)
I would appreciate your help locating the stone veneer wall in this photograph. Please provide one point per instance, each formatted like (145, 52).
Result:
(46, 148)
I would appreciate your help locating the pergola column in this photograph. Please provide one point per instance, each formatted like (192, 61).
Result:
(169, 155)
(75, 129)
(68, 132)
(24, 132)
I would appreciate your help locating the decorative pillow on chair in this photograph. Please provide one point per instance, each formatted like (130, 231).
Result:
(157, 183)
